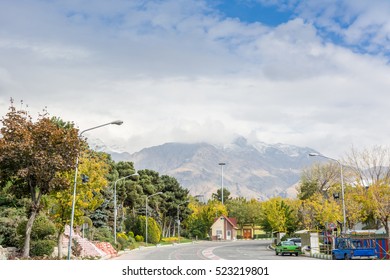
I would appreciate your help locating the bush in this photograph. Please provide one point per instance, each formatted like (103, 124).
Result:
(42, 248)
(123, 240)
(42, 228)
(139, 238)
(9, 220)
(42, 236)
(103, 234)
(131, 234)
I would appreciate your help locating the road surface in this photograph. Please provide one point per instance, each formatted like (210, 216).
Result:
(208, 250)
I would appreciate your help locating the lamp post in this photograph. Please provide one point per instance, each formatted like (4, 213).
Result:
(118, 122)
(146, 211)
(342, 185)
(115, 208)
(222, 164)
(178, 220)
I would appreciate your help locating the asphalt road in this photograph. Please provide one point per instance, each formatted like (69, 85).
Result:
(207, 250)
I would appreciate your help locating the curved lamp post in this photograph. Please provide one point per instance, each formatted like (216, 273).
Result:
(342, 185)
(146, 211)
(115, 208)
(222, 164)
(178, 220)
(118, 122)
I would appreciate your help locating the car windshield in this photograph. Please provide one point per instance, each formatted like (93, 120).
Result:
(287, 243)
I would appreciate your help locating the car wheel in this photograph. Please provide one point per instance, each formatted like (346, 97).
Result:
(346, 257)
(296, 254)
(334, 257)
(276, 253)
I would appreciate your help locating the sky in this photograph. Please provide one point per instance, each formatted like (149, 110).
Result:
(307, 73)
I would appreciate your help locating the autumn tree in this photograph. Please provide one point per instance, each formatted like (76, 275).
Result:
(33, 155)
(371, 167)
(203, 216)
(318, 211)
(89, 194)
(278, 214)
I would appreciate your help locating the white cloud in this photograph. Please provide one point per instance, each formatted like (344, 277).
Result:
(179, 71)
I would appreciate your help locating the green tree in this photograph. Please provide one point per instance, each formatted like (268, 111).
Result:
(246, 212)
(33, 155)
(175, 196)
(218, 195)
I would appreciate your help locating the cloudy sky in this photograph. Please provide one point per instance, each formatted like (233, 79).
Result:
(310, 73)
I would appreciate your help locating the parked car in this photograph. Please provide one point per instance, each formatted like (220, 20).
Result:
(287, 247)
(296, 240)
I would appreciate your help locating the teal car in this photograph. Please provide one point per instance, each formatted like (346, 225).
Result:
(287, 247)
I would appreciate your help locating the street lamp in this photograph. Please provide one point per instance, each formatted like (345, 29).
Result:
(118, 122)
(222, 164)
(115, 209)
(146, 211)
(178, 220)
(342, 185)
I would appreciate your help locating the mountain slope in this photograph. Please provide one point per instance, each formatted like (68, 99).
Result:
(256, 170)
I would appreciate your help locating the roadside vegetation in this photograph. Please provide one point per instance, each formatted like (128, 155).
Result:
(37, 165)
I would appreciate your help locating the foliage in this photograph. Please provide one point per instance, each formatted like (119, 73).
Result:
(318, 179)
(246, 212)
(372, 172)
(12, 212)
(33, 155)
(318, 211)
(42, 236)
(278, 214)
(42, 228)
(123, 240)
(203, 215)
(377, 202)
(103, 234)
(139, 238)
(218, 195)
(42, 247)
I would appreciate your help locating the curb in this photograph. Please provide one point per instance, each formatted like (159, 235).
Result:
(321, 256)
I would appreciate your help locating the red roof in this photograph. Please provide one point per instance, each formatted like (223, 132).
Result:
(232, 221)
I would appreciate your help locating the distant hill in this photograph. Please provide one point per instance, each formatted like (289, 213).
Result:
(256, 170)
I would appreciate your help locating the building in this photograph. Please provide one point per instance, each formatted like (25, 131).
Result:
(224, 228)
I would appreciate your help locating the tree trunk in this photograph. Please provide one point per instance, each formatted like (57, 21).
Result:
(30, 222)
(59, 244)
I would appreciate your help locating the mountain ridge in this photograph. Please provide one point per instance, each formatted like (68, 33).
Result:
(253, 170)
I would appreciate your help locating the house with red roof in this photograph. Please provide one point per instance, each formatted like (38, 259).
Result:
(224, 228)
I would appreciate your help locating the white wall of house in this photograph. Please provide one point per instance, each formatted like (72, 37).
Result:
(219, 228)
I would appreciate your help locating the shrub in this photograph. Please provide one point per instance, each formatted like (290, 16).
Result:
(9, 220)
(42, 236)
(42, 228)
(139, 238)
(42, 248)
(131, 234)
(123, 241)
(103, 234)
